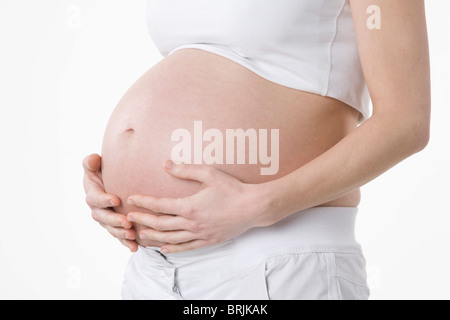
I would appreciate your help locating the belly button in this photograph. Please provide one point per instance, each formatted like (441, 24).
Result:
(131, 130)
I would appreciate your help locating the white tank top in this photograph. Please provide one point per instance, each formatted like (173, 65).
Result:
(308, 45)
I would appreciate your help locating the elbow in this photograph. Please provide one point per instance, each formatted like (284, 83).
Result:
(420, 143)
(408, 125)
(418, 135)
(408, 135)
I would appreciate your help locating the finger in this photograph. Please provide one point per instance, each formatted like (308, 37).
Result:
(161, 223)
(92, 168)
(92, 163)
(204, 174)
(111, 218)
(97, 198)
(181, 206)
(128, 234)
(187, 246)
(169, 237)
(95, 191)
(131, 245)
(121, 233)
(92, 178)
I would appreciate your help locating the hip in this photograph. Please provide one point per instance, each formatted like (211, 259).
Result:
(311, 255)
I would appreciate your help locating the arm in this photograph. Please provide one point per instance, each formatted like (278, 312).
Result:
(395, 62)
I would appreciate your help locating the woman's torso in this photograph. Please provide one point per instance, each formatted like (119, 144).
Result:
(193, 85)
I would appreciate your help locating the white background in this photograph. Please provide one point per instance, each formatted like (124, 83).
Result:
(63, 67)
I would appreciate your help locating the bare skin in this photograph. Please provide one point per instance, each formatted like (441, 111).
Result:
(331, 158)
(196, 85)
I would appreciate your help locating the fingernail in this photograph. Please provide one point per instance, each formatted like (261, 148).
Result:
(130, 201)
(164, 251)
(143, 236)
(131, 218)
(112, 202)
(169, 165)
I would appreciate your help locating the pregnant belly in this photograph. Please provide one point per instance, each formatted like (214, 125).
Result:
(194, 101)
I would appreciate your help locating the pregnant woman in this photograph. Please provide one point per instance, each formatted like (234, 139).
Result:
(232, 169)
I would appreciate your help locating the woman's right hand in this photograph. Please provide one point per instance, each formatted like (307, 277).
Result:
(101, 204)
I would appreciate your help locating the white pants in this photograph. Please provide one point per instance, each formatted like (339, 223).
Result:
(312, 255)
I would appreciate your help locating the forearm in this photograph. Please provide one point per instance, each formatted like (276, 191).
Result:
(375, 147)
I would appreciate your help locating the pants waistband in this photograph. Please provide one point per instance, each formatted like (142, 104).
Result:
(319, 229)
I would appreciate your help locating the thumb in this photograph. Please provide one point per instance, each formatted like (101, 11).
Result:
(92, 163)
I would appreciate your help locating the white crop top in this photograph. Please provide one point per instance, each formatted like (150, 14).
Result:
(308, 45)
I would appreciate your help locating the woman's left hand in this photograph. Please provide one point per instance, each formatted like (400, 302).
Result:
(223, 209)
